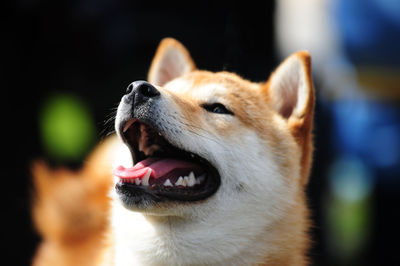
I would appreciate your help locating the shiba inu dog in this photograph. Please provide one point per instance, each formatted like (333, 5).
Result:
(209, 169)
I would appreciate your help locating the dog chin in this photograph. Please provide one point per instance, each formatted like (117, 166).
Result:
(149, 207)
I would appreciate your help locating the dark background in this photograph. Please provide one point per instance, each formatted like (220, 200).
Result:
(94, 49)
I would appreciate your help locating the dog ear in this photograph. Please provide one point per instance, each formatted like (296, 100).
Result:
(290, 86)
(171, 60)
(290, 92)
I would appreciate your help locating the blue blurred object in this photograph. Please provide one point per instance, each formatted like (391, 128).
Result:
(350, 179)
(370, 30)
(369, 130)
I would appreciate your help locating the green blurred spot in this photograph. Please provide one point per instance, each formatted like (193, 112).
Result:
(349, 209)
(66, 127)
(350, 225)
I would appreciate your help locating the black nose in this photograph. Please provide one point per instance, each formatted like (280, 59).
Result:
(142, 87)
(140, 91)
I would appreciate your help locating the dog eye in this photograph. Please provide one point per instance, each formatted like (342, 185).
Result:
(217, 108)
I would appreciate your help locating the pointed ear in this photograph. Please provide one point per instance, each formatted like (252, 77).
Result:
(290, 86)
(170, 61)
(291, 94)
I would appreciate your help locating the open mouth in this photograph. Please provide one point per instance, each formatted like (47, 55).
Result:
(162, 171)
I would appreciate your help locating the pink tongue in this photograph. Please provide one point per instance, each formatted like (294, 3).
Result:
(159, 167)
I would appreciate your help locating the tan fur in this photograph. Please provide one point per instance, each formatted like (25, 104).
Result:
(301, 127)
(71, 209)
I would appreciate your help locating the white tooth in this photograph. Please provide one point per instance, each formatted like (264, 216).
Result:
(168, 183)
(138, 181)
(179, 182)
(185, 181)
(200, 179)
(192, 155)
(192, 180)
(191, 174)
(145, 179)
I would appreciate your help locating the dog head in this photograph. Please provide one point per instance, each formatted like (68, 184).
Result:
(215, 148)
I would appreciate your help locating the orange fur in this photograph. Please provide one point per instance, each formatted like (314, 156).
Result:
(301, 127)
(71, 209)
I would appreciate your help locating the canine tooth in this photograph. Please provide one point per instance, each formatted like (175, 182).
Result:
(179, 182)
(186, 181)
(138, 181)
(145, 179)
(168, 183)
(192, 155)
(191, 180)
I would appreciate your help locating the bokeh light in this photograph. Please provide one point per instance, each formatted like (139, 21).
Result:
(348, 207)
(67, 129)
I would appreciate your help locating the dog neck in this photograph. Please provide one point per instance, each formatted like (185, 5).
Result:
(141, 239)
